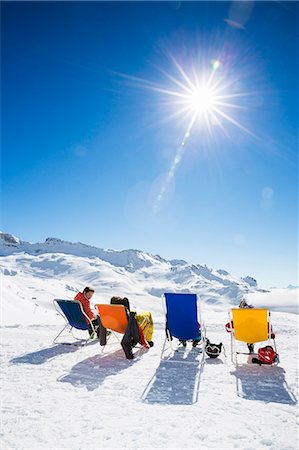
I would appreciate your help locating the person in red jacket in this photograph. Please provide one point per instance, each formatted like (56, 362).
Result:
(84, 298)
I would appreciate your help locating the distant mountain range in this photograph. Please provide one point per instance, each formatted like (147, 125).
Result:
(59, 268)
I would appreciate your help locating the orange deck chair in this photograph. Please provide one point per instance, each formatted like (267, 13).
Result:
(114, 318)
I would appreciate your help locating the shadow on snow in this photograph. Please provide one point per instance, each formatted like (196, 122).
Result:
(43, 355)
(265, 383)
(91, 372)
(176, 380)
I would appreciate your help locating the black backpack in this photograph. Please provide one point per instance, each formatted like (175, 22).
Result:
(213, 350)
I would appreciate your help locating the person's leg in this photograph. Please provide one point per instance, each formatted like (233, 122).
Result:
(250, 348)
(101, 331)
(92, 329)
(196, 341)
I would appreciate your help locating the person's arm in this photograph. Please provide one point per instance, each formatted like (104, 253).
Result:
(86, 308)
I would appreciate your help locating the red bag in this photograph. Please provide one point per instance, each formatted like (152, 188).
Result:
(267, 355)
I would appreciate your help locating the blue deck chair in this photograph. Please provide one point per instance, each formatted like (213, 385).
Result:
(75, 317)
(182, 319)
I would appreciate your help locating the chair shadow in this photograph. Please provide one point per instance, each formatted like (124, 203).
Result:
(265, 383)
(214, 361)
(176, 380)
(43, 355)
(92, 371)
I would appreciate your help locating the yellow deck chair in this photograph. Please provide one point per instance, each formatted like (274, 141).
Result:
(250, 325)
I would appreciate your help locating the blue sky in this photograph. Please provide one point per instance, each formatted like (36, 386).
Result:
(86, 148)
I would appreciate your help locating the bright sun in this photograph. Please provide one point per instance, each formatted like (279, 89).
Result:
(202, 100)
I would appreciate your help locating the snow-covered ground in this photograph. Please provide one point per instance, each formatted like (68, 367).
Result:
(77, 398)
(62, 397)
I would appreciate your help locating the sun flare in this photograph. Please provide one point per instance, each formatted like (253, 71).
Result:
(208, 95)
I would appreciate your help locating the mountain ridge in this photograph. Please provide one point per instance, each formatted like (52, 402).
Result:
(58, 268)
(126, 257)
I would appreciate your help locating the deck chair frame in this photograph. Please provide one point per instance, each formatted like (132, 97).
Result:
(169, 337)
(69, 328)
(234, 352)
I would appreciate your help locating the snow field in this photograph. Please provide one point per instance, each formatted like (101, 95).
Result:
(62, 397)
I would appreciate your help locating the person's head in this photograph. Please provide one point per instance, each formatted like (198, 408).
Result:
(88, 292)
(126, 303)
(243, 303)
(120, 301)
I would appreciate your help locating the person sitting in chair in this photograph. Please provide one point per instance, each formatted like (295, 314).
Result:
(195, 341)
(244, 304)
(84, 298)
(144, 319)
(229, 325)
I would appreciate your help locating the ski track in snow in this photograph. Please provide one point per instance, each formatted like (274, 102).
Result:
(62, 397)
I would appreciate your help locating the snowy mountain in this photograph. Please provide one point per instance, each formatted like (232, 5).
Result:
(59, 268)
